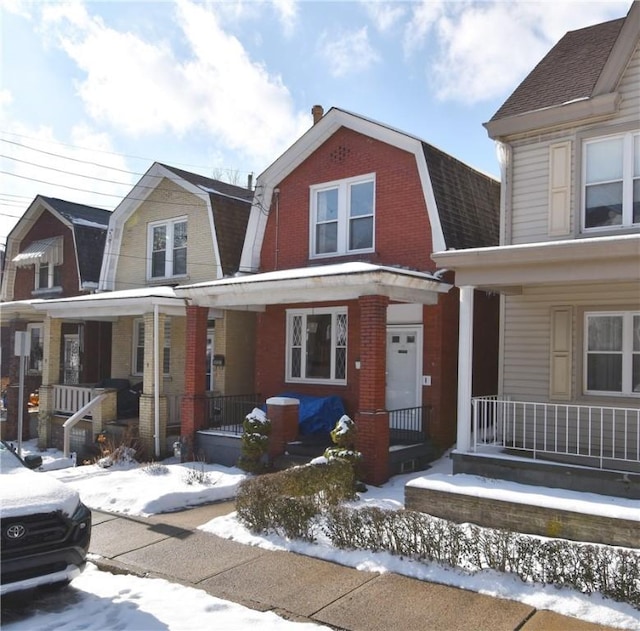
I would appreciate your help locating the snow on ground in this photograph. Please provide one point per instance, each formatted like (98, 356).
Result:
(100, 600)
(142, 490)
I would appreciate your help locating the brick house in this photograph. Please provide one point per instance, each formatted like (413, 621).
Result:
(566, 412)
(54, 250)
(173, 227)
(337, 265)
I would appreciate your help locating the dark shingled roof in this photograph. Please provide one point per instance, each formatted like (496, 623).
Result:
(231, 206)
(468, 202)
(90, 239)
(71, 211)
(568, 72)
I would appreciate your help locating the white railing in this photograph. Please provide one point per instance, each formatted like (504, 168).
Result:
(69, 399)
(67, 426)
(599, 436)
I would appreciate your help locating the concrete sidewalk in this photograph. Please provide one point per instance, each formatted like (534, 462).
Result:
(301, 588)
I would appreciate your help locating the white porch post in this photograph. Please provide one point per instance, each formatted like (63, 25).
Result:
(465, 368)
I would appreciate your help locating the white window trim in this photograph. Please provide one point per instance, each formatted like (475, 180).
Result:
(168, 263)
(627, 182)
(333, 311)
(627, 353)
(50, 277)
(343, 215)
(137, 322)
(31, 327)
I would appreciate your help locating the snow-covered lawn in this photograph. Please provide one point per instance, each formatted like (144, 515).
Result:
(142, 490)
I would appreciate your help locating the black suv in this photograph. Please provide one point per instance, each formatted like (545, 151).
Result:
(45, 527)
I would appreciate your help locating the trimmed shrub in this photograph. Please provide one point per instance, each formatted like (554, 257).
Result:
(255, 441)
(290, 502)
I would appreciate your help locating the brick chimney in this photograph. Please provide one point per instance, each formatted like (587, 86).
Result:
(317, 112)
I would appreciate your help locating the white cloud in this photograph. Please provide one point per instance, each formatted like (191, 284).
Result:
(143, 88)
(483, 49)
(84, 170)
(384, 15)
(347, 53)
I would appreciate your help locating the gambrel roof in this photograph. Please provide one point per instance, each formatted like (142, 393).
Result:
(463, 204)
(229, 207)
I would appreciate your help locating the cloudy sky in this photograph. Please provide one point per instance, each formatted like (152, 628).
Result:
(91, 93)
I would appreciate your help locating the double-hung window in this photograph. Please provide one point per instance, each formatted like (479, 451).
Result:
(138, 347)
(317, 345)
(612, 353)
(35, 333)
(611, 194)
(342, 216)
(167, 246)
(48, 276)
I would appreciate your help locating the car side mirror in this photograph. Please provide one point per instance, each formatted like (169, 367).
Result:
(33, 461)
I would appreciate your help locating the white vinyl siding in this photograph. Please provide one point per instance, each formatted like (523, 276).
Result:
(526, 369)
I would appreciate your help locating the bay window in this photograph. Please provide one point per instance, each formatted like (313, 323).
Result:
(317, 345)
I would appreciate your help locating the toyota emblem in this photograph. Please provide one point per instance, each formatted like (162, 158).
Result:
(16, 531)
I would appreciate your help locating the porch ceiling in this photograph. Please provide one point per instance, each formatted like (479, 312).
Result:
(510, 268)
(345, 281)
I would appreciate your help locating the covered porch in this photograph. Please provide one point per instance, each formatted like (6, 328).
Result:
(143, 397)
(359, 293)
(561, 417)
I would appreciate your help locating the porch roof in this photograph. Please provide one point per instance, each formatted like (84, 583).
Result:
(342, 281)
(17, 309)
(127, 302)
(508, 268)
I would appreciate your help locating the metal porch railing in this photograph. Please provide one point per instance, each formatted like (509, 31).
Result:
(227, 413)
(409, 426)
(600, 436)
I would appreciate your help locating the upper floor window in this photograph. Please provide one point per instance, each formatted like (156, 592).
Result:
(48, 276)
(612, 349)
(611, 195)
(342, 215)
(317, 345)
(168, 248)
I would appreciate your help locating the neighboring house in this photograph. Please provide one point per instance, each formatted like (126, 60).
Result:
(173, 227)
(337, 263)
(55, 250)
(567, 410)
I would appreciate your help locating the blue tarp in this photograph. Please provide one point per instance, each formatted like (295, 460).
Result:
(317, 414)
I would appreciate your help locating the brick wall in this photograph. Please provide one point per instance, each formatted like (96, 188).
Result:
(402, 230)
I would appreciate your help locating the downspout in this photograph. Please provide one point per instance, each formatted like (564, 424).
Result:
(156, 380)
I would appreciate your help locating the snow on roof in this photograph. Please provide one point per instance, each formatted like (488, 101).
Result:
(79, 221)
(316, 272)
(122, 294)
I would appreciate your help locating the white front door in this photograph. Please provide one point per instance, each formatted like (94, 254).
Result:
(404, 367)
(71, 359)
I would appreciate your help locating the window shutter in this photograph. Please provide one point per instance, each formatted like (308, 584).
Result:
(560, 189)
(560, 377)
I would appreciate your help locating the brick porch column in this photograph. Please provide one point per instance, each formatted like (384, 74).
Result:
(283, 412)
(193, 406)
(372, 418)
